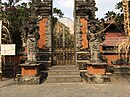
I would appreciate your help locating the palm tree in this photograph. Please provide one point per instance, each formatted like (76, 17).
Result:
(119, 6)
(110, 15)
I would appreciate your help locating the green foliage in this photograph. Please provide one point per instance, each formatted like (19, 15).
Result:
(57, 13)
(110, 15)
(16, 14)
(119, 6)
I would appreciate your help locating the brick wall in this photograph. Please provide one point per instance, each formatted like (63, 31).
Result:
(42, 32)
(84, 29)
(29, 71)
(96, 70)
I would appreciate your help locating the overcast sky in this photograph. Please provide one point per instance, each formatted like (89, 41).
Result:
(67, 6)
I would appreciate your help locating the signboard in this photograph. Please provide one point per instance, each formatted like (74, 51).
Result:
(7, 49)
(0, 45)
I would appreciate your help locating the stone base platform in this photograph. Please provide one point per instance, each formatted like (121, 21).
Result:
(97, 79)
(30, 74)
(28, 80)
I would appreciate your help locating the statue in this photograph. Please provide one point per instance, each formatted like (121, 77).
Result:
(96, 36)
(96, 31)
(30, 36)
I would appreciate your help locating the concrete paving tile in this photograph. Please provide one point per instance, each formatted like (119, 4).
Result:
(10, 89)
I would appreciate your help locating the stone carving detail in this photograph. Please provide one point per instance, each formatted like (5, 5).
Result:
(96, 31)
(32, 39)
(96, 36)
(48, 33)
(85, 7)
(36, 1)
(30, 36)
(94, 50)
(78, 33)
(78, 24)
(41, 7)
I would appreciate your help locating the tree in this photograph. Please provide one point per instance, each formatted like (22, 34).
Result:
(16, 14)
(110, 15)
(119, 16)
(57, 13)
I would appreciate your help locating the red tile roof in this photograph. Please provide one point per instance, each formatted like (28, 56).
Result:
(113, 39)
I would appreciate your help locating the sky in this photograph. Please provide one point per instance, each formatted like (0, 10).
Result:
(103, 7)
(67, 6)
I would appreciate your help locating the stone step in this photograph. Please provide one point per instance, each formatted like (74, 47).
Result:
(63, 79)
(121, 74)
(64, 67)
(63, 72)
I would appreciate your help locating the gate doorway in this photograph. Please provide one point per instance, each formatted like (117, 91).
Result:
(63, 42)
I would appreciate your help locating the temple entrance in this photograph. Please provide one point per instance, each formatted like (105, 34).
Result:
(63, 42)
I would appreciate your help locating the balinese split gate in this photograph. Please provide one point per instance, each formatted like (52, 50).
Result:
(67, 46)
(63, 45)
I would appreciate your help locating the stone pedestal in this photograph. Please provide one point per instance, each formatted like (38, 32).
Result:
(29, 74)
(98, 72)
(99, 68)
(96, 69)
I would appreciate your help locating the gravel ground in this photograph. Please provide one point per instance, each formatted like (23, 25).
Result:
(8, 88)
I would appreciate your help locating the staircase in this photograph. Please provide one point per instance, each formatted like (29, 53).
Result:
(63, 74)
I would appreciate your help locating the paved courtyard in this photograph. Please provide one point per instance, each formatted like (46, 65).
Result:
(8, 88)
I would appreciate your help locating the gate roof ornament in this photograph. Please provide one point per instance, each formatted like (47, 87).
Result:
(43, 7)
(85, 8)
